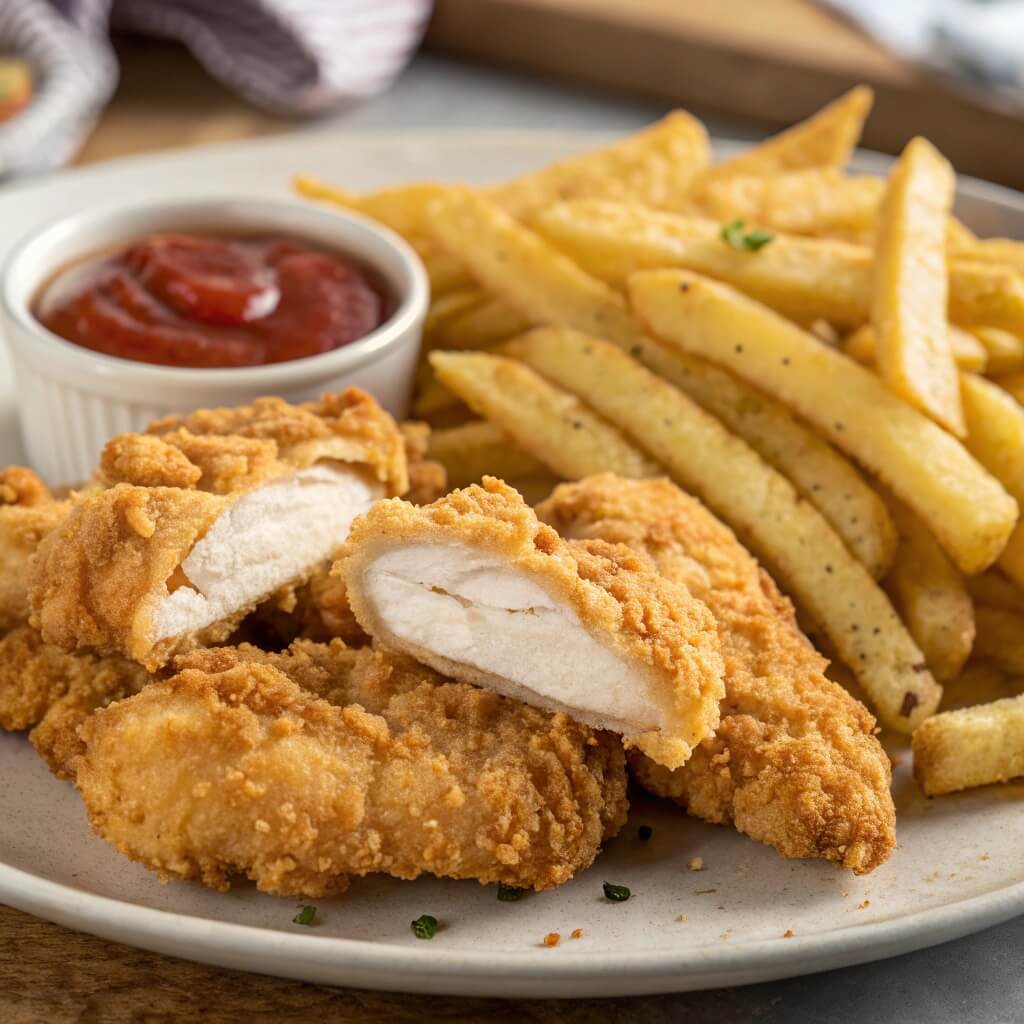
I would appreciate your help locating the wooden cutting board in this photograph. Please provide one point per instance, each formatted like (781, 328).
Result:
(772, 61)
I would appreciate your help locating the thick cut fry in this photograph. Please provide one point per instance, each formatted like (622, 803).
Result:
(449, 306)
(1013, 384)
(554, 426)
(1008, 252)
(1005, 350)
(808, 202)
(399, 207)
(818, 472)
(445, 273)
(975, 746)
(803, 278)
(1000, 638)
(787, 533)
(487, 324)
(968, 352)
(478, 449)
(910, 286)
(826, 139)
(655, 166)
(931, 595)
(965, 507)
(1011, 561)
(513, 263)
(993, 590)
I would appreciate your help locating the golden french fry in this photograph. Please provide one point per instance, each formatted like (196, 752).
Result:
(1008, 252)
(479, 448)
(910, 286)
(1005, 349)
(449, 306)
(1011, 560)
(787, 533)
(655, 166)
(1000, 638)
(826, 139)
(818, 472)
(803, 278)
(528, 274)
(958, 235)
(974, 746)
(963, 505)
(931, 596)
(431, 396)
(445, 273)
(968, 352)
(554, 426)
(808, 202)
(400, 207)
(487, 324)
(993, 590)
(1012, 384)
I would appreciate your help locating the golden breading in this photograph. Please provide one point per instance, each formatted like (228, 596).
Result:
(302, 768)
(795, 762)
(117, 557)
(28, 512)
(667, 639)
(428, 479)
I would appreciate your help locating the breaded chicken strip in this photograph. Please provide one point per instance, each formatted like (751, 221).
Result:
(302, 768)
(204, 517)
(795, 762)
(54, 691)
(28, 512)
(474, 586)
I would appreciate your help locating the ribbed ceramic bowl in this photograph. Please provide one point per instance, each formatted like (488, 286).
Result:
(71, 400)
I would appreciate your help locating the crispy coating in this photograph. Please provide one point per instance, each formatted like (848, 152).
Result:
(28, 512)
(619, 597)
(795, 762)
(428, 479)
(302, 768)
(100, 576)
(45, 687)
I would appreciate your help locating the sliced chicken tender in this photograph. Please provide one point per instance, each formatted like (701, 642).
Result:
(302, 768)
(476, 587)
(795, 762)
(192, 525)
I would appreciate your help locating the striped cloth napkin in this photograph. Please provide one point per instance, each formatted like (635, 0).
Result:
(294, 57)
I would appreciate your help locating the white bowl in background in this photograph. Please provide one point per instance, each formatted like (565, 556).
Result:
(71, 400)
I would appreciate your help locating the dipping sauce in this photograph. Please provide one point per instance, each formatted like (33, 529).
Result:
(206, 301)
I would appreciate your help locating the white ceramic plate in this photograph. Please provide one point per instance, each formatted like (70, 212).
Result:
(957, 869)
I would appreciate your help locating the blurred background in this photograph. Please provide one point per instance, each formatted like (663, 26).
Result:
(87, 80)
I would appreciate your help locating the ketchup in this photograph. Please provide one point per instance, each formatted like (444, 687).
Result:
(204, 301)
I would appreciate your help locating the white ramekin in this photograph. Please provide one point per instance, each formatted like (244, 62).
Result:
(71, 400)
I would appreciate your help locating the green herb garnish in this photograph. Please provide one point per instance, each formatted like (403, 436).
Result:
(734, 233)
(644, 832)
(424, 927)
(509, 893)
(305, 916)
(616, 893)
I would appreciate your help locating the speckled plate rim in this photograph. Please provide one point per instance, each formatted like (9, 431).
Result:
(388, 966)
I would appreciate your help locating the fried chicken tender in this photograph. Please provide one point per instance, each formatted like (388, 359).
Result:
(28, 512)
(302, 768)
(54, 691)
(795, 762)
(476, 587)
(193, 524)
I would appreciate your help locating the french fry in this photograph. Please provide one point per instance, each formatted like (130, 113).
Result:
(1008, 252)
(803, 278)
(826, 139)
(655, 166)
(528, 274)
(1011, 560)
(449, 306)
(445, 273)
(993, 590)
(1005, 350)
(910, 286)
(965, 507)
(478, 448)
(758, 502)
(808, 202)
(1013, 384)
(931, 595)
(968, 352)
(974, 746)
(818, 472)
(432, 397)
(399, 207)
(485, 325)
(553, 425)
(1000, 638)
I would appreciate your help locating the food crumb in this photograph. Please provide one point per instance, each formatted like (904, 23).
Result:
(552, 939)
(681, 918)
(576, 933)
(984, 856)
(696, 864)
(864, 905)
(788, 933)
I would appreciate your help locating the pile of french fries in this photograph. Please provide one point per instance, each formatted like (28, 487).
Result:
(833, 363)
